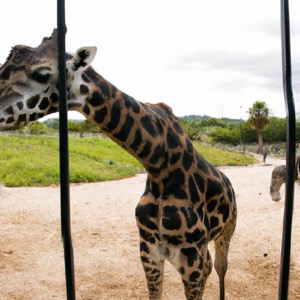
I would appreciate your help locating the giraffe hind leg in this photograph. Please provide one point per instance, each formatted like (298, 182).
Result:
(153, 264)
(222, 243)
(154, 274)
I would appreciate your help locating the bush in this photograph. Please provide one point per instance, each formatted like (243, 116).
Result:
(38, 128)
(226, 136)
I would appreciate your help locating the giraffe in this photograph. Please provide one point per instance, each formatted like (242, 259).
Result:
(278, 177)
(187, 202)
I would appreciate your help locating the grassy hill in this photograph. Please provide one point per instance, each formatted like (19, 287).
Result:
(34, 160)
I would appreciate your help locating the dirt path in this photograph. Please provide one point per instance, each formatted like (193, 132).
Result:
(105, 240)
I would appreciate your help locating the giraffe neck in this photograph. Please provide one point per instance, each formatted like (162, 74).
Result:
(149, 132)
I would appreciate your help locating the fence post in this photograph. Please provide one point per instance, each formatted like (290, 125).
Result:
(290, 152)
(64, 153)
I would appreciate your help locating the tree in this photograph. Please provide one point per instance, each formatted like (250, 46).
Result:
(225, 135)
(276, 130)
(259, 117)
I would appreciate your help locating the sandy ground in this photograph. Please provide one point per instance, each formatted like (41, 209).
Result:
(106, 247)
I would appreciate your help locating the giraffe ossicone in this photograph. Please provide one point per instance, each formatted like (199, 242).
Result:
(187, 202)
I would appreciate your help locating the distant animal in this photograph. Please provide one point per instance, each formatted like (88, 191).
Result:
(278, 178)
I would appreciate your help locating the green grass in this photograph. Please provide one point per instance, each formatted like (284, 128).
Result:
(34, 160)
(223, 157)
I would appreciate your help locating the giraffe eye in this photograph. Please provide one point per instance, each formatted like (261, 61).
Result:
(41, 76)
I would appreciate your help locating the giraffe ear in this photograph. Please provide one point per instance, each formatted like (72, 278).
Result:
(83, 58)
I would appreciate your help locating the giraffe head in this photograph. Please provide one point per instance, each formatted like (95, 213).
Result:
(29, 82)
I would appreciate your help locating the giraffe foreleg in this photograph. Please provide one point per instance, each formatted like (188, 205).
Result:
(153, 264)
(221, 263)
(222, 243)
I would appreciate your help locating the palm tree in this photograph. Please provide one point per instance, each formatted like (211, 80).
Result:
(259, 117)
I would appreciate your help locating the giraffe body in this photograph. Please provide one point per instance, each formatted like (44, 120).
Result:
(187, 202)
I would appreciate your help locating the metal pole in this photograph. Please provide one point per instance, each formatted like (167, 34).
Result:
(64, 153)
(290, 152)
(241, 121)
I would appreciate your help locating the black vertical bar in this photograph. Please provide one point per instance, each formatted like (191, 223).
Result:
(64, 153)
(290, 152)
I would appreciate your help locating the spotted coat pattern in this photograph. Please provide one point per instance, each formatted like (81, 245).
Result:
(187, 202)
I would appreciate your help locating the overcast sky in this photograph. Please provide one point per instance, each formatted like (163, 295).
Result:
(200, 57)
